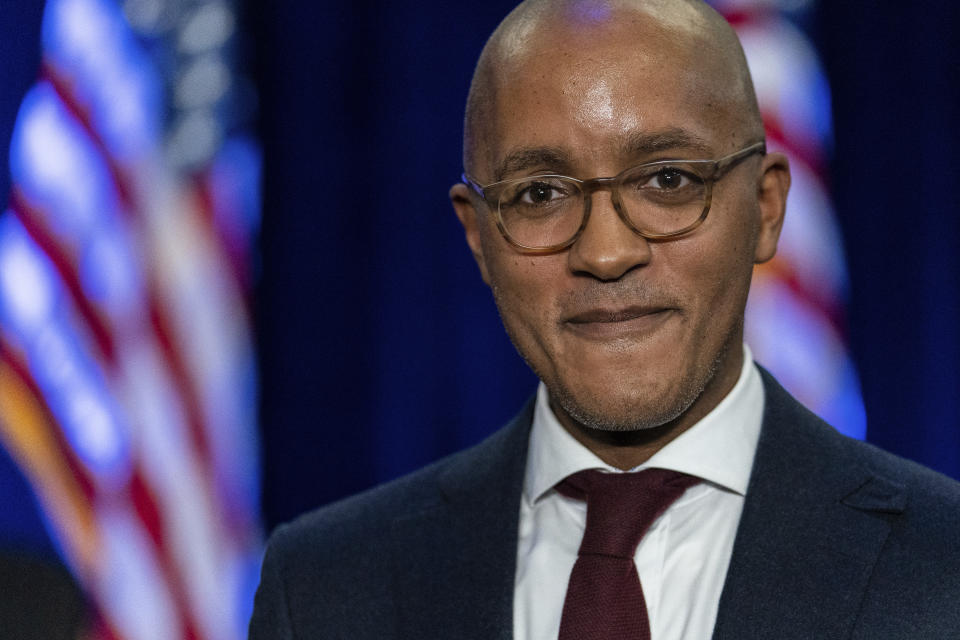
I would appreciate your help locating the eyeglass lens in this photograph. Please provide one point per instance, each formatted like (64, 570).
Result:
(546, 211)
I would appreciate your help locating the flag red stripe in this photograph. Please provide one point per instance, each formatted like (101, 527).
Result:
(152, 517)
(65, 266)
(77, 469)
(181, 379)
(810, 154)
(234, 253)
(63, 87)
(786, 274)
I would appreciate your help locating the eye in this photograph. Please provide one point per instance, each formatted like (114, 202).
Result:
(663, 183)
(538, 193)
(668, 179)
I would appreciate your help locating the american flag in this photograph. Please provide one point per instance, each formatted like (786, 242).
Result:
(795, 315)
(127, 379)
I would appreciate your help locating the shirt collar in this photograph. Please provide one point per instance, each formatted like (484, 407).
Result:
(719, 448)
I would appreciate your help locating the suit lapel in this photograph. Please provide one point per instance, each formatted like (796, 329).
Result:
(457, 581)
(813, 524)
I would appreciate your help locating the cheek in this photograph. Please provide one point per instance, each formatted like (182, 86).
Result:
(526, 289)
(727, 256)
(716, 276)
(516, 278)
(522, 288)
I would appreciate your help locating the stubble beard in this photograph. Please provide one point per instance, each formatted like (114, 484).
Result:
(589, 412)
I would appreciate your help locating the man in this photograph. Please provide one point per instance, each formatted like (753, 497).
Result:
(744, 515)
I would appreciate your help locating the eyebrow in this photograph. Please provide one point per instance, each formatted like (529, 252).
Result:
(635, 145)
(526, 158)
(643, 143)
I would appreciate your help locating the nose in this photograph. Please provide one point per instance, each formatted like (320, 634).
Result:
(607, 249)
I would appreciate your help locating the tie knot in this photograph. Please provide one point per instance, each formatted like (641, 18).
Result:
(622, 506)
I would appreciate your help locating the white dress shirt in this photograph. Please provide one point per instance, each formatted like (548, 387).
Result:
(682, 560)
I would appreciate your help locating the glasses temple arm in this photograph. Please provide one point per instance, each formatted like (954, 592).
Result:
(473, 185)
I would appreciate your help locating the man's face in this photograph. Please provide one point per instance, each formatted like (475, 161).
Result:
(626, 333)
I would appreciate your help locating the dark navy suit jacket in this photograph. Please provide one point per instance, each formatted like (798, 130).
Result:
(837, 539)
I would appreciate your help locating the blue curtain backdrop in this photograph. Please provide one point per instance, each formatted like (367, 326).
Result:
(896, 171)
(381, 348)
(21, 527)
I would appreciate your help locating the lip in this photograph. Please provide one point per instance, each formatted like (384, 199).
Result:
(613, 323)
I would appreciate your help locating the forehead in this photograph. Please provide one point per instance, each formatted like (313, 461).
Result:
(591, 91)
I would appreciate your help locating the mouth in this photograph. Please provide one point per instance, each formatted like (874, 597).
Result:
(618, 323)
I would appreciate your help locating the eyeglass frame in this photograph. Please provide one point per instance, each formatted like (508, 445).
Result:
(719, 168)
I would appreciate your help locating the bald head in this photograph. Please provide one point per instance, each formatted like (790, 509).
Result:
(582, 34)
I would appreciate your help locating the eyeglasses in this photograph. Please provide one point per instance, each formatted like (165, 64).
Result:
(656, 200)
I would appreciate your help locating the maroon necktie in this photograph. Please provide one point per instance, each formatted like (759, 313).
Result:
(604, 598)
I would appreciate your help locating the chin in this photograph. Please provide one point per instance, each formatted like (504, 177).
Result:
(622, 402)
(638, 408)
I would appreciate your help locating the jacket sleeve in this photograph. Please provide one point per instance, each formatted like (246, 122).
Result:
(271, 614)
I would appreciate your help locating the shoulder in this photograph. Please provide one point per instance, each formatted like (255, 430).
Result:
(915, 582)
(358, 554)
(806, 441)
(926, 496)
(325, 566)
(412, 496)
(348, 521)
(809, 450)
(384, 519)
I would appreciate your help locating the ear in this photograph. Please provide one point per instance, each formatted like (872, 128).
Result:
(463, 204)
(772, 188)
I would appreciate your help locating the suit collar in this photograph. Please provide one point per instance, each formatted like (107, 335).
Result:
(813, 523)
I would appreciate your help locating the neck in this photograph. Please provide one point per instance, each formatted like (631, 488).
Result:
(625, 449)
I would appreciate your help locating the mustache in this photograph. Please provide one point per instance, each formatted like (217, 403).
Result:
(613, 297)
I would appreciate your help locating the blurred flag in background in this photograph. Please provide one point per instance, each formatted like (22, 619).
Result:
(795, 316)
(127, 380)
